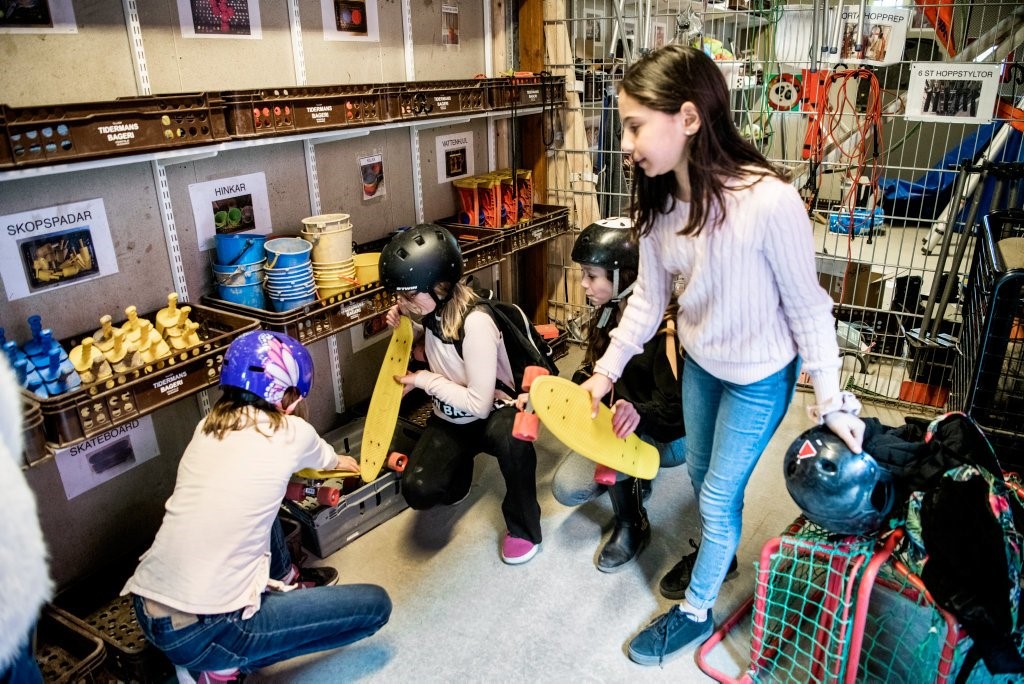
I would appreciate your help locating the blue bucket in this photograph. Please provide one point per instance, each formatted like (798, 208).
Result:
(239, 248)
(289, 303)
(290, 292)
(246, 295)
(287, 252)
(242, 274)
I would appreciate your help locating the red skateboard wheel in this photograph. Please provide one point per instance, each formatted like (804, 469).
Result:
(525, 426)
(397, 461)
(530, 374)
(328, 496)
(295, 491)
(605, 475)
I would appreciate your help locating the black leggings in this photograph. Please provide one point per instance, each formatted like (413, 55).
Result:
(440, 468)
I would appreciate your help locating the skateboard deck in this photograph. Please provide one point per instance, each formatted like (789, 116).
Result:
(382, 415)
(564, 408)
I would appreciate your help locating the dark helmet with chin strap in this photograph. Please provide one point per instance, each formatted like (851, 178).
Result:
(610, 244)
(844, 492)
(419, 258)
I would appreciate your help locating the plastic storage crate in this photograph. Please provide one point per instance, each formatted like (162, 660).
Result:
(65, 650)
(280, 111)
(325, 529)
(548, 221)
(95, 408)
(95, 603)
(33, 431)
(425, 99)
(989, 371)
(69, 132)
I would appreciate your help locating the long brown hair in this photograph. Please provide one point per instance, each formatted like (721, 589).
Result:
(238, 409)
(717, 154)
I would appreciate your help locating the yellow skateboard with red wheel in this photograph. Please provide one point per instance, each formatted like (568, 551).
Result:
(382, 415)
(564, 407)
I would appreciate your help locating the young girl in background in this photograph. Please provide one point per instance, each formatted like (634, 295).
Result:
(709, 208)
(216, 591)
(646, 398)
(473, 392)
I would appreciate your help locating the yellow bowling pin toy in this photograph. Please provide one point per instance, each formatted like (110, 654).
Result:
(104, 337)
(167, 317)
(89, 361)
(123, 356)
(133, 333)
(158, 349)
(191, 335)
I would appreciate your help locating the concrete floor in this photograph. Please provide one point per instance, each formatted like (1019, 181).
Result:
(460, 614)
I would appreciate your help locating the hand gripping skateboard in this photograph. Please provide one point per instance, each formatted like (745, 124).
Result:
(382, 415)
(564, 407)
(324, 485)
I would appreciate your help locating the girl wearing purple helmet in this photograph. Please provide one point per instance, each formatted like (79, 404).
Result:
(216, 590)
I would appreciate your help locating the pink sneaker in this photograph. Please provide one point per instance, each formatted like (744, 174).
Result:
(515, 551)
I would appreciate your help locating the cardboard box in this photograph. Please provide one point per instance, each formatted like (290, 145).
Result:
(864, 286)
(325, 529)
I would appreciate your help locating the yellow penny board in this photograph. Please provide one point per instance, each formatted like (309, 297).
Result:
(564, 408)
(382, 416)
(314, 474)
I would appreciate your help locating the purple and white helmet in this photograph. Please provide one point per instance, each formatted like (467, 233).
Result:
(267, 363)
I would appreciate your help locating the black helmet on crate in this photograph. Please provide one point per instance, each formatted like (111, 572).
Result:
(610, 244)
(843, 492)
(419, 258)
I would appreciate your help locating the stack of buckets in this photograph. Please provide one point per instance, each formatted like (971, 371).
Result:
(333, 269)
(238, 269)
(289, 271)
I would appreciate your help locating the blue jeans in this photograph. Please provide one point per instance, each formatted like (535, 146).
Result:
(728, 426)
(287, 625)
(23, 668)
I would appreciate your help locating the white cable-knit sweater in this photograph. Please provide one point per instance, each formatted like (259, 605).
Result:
(751, 300)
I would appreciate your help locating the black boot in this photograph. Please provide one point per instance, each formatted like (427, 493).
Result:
(632, 529)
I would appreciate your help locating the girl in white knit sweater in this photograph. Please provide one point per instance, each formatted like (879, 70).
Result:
(712, 210)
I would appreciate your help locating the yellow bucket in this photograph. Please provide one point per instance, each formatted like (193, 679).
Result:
(367, 267)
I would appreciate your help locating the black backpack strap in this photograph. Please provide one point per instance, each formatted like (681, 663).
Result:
(971, 659)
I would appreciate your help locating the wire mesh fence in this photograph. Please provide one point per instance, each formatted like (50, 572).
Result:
(895, 119)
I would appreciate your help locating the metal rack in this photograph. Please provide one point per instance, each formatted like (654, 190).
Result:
(988, 374)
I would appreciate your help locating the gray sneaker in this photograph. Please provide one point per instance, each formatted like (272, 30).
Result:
(668, 635)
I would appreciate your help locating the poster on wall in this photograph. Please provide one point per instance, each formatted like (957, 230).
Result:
(660, 35)
(593, 27)
(878, 39)
(939, 91)
(230, 205)
(101, 458)
(354, 20)
(220, 19)
(46, 249)
(449, 23)
(37, 16)
(454, 156)
(371, 172)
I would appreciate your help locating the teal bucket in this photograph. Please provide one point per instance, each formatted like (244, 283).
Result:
(242, 274)
(246, 295)
(287, 252)
(239, 248)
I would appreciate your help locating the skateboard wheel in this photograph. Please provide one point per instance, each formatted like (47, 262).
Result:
(397, 461)
(328, 496)
(525, 426)
(295, 492)
(530, 374)
(605, 475)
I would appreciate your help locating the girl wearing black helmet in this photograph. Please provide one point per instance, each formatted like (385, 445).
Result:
(216, 590)
(423, 266)
(646, 397)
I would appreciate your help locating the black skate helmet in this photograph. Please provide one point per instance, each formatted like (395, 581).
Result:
(419, 258)
(610, 244)
(844, 492)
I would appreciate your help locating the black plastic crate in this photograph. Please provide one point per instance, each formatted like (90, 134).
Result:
(65, 650)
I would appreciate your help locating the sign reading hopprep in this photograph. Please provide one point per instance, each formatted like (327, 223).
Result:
(48, 248)
(939, 92)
